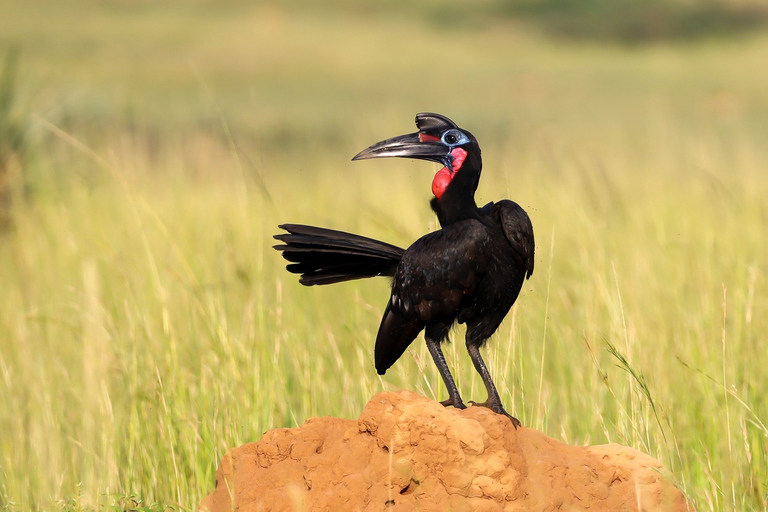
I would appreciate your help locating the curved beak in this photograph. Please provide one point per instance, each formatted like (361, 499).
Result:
(408, 146)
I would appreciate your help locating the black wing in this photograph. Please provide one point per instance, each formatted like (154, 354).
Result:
(432, 279)
(518, 229)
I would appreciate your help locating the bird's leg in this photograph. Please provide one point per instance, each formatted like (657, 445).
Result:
(494, 401)
(453, 392)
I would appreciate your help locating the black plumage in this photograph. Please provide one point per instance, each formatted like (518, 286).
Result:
(470, 271)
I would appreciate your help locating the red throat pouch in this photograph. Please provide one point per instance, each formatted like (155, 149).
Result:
(440, 182)
(444, 176)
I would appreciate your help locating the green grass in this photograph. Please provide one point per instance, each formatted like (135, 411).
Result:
(146, 325)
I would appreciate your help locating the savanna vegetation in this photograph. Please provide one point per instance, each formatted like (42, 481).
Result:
(149, 149)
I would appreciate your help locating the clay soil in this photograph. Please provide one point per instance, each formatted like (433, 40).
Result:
(407, 452)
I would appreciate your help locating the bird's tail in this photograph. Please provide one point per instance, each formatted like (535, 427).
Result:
(326, 256)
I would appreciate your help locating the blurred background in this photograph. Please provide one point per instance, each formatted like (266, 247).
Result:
(148, 150)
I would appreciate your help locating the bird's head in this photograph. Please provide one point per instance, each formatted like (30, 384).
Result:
(439, 140)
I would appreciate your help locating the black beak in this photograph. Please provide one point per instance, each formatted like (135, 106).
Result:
(408, 146)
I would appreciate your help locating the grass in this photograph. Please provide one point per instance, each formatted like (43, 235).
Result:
(146, 325)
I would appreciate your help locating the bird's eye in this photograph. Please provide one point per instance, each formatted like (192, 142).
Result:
(454, 138)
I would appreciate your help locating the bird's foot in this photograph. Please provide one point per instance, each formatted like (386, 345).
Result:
(458, 404)
(498, 409)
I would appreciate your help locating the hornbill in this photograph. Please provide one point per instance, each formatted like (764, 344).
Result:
(470, 271)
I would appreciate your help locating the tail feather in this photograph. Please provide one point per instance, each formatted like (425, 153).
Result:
(326, 256)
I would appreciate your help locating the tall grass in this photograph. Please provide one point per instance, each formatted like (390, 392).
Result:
(146, 325)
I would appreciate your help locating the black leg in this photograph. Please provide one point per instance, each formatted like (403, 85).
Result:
(494, 401)
(453, 392)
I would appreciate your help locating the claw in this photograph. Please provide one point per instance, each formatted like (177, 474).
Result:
(515, 422)
(451, 403)
(498, 409)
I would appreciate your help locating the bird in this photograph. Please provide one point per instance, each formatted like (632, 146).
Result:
(470, 271)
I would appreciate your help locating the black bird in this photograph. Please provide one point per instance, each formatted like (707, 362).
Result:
(470, 271)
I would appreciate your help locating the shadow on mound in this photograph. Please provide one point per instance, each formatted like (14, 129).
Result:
(407, 452)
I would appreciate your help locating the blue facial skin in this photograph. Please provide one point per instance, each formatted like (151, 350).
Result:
(453, 138)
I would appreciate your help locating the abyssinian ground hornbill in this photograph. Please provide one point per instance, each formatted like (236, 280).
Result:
(470, 271)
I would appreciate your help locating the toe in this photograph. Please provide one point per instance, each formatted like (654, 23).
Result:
(458, 404)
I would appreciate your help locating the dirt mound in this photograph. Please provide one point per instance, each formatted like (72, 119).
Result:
(407, 452)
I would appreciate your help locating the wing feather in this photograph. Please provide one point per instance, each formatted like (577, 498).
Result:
(518, 230)
(432, 279)
(440, 269)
